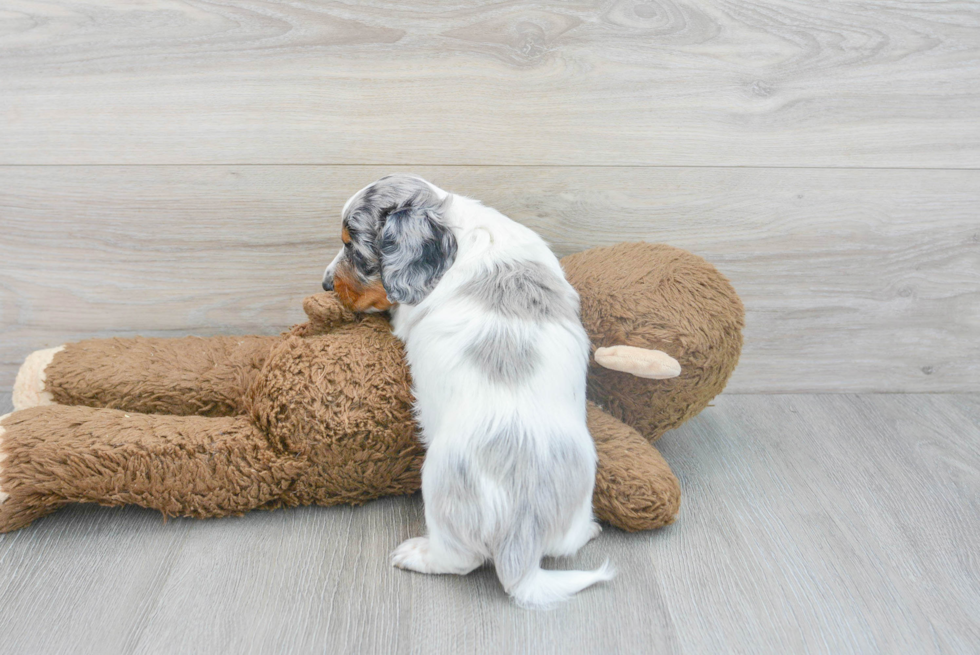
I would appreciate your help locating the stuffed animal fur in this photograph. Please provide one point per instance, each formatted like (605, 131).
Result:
(323, 414)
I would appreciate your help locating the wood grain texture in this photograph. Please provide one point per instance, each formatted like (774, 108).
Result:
(409, 82)
(810, 524)
(856, 280)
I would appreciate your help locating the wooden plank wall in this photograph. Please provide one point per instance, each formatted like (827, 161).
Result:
(178, 166)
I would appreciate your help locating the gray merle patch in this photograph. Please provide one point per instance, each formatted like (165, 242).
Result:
(522, 290)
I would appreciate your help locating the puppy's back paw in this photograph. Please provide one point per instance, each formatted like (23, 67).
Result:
(412, 554)
(419, 555)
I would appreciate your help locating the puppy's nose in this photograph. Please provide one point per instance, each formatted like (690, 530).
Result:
(328, 284)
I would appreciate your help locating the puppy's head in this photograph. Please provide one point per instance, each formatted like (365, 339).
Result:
(396, 245)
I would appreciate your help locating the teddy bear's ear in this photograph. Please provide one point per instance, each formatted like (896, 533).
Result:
(326, 311)
(641, 362)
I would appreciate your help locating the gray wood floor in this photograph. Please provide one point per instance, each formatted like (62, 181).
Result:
(810, 524)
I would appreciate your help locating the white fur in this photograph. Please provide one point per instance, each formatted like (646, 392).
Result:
(456, 401)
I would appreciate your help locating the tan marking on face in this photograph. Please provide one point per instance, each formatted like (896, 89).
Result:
(374, 297)
(357, 297)
(345, 235)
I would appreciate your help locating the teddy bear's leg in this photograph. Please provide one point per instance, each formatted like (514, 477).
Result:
(635, 488)
(181, 465)
(190, 375)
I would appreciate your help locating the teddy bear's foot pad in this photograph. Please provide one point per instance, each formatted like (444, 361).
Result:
(29, 385)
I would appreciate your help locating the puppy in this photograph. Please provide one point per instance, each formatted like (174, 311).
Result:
(498, 358)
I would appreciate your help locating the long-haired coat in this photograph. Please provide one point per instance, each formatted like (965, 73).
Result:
(498, 358)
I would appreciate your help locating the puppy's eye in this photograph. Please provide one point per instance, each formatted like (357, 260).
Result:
(347, 246)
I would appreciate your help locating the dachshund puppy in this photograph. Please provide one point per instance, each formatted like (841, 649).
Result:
(498, 358)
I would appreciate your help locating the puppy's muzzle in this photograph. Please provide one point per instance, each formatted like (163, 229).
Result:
(330, 271)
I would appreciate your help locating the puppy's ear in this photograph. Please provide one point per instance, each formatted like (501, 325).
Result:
(416, 248)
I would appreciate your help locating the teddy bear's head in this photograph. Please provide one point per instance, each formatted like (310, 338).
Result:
(657, 298)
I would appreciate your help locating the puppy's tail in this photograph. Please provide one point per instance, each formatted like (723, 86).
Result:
(541, 589)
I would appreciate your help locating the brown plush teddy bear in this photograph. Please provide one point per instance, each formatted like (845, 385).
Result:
(323, 414)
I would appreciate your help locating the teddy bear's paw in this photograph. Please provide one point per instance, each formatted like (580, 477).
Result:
(18, 506)
(29, 385)
(641, 362)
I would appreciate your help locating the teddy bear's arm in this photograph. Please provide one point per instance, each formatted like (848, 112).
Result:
(179, 465)
(634, 488)
(325, 312)
(190, 375)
